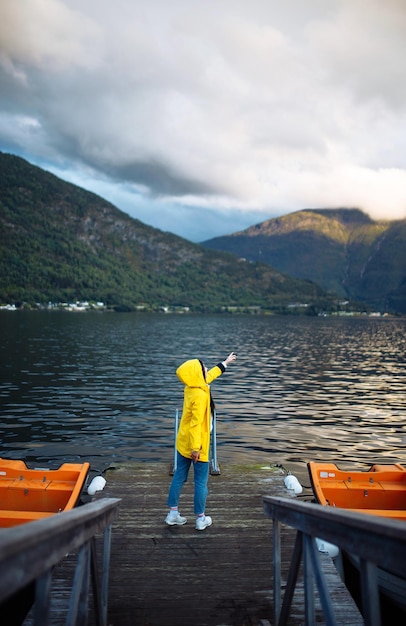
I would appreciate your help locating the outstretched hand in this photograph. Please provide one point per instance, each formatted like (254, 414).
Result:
(231, 357)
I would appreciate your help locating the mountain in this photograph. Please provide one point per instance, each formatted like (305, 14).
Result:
(342, 250)
(60, 243)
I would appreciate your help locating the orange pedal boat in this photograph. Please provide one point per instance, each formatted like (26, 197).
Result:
(31, 494)
(381, 490)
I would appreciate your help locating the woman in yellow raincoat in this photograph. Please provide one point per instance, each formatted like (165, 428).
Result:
(193, 438)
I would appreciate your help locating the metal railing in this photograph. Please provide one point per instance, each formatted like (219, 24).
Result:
(29, 552)
(214, 466)
(376, 542)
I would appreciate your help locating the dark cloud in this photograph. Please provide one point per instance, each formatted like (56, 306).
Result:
(158, 178)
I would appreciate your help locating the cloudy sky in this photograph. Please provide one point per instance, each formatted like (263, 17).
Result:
(203, 117)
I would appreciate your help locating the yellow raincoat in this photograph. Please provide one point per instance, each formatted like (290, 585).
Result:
(194, 428)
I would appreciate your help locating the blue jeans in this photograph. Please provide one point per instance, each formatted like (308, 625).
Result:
(201, 477)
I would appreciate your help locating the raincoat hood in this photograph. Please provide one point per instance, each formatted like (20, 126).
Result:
(190, 373)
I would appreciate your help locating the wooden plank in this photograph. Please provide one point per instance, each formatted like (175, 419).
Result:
(379, 540)
(30, 550)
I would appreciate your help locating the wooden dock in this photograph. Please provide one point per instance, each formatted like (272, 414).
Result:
(177, 576)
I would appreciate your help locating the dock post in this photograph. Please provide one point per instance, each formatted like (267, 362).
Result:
(276, 569)
(214, 468)
(175, 461)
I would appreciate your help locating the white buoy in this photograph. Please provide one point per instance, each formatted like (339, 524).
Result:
(328, 548)
(292, 483)
(97, 484)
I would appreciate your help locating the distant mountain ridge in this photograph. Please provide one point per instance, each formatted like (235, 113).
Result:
(59, 242)
(342, 250)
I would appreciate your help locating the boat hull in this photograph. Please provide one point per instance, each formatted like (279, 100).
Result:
(28, 494)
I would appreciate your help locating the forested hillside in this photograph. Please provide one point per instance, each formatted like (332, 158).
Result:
(59, 243)
(342, 250)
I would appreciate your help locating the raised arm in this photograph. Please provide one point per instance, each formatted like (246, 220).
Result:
(231, 357)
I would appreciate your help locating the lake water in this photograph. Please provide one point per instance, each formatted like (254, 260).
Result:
(102, 387)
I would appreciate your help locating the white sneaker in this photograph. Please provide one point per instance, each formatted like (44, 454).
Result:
(203, 522)
(175, 520)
